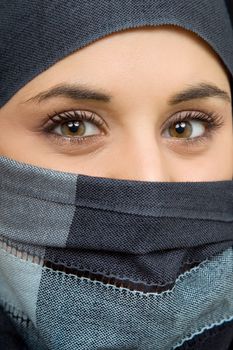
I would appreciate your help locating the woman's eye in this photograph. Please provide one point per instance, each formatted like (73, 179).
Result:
(191, 126)
(76, 128)
(86, 128)
(186, 129)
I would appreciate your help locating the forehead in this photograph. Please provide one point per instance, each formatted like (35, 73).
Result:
(157, 58)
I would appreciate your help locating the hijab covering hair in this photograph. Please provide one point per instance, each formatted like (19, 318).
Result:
(99, 263)
(36, 34)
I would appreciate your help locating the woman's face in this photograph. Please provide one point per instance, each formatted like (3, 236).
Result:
(150, 104)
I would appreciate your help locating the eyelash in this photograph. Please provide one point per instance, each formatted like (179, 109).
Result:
(73, 116)
(213, 120)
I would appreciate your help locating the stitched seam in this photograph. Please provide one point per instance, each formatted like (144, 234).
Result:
(35, 258)
(210, 333)
(14, 312)
(84, 280)
(226, 318)
(125, 212)
(39, 259)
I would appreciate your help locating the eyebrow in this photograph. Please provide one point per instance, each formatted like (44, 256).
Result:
(72, 91)
(82, 92)
(199, 91)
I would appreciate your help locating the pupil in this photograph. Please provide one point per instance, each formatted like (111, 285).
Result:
(180, 127)
(73, 126)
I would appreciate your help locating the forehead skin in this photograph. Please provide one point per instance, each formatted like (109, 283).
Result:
(168, 56)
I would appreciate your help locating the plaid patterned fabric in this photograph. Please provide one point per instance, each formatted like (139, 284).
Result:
(96, 263)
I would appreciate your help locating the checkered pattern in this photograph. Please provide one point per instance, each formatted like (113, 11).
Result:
(66, 239)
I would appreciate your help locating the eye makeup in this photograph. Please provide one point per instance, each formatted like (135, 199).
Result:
(211, 122)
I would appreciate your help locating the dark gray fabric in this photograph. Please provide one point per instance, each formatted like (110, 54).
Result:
(230, 9)
(155, 271)
(99, 263)
(10, 339)
(133, 230)
(36, 34)
(217, 338)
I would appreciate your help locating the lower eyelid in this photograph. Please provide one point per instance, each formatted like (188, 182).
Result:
(96, 140)
(195, 142)
(188, 147)
(72, 141)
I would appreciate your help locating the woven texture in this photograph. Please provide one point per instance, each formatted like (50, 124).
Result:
(36, 34)
(94, 263)
(217, 338)
(98, 263)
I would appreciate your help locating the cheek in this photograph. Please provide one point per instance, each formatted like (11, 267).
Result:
(16, 141)
(219, 161)
(215, 163)
(220, 156)
(225, 153)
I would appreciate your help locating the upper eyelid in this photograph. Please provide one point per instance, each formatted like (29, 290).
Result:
(190, 114)
(81, 110)
(182, 142)
(78, 114)
(187, 114)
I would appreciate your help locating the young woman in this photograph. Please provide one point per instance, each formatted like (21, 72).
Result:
(116, 167)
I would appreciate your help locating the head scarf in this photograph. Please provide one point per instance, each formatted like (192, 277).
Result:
(97, 263)
(36, 34)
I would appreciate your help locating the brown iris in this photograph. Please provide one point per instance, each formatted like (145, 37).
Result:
(73, 128)
(181, 130)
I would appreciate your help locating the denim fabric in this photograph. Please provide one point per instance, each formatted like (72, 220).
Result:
(98, 263)
(34, 34)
